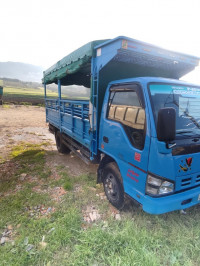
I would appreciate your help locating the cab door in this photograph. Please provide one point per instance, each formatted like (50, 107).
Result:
(123, 135)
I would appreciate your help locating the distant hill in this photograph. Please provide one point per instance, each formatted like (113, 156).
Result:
(21, 71)
(16, 83)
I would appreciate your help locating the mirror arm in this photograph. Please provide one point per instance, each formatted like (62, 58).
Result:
(170, 145)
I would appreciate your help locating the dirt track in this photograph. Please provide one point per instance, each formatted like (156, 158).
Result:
(27, 124)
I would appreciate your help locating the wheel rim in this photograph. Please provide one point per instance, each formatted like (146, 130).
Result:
(111, 187)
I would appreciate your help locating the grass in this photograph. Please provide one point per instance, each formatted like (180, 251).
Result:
(64, 238)
(25, 158)
(27, 92)
(6, 106)
(27, 96)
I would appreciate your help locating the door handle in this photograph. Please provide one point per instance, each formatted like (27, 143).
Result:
(105, 139)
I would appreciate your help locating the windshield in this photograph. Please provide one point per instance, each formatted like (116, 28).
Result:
(185, 100)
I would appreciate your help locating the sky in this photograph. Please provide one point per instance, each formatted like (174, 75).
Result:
(41, 32)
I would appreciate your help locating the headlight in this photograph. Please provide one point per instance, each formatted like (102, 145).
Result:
(166, 187)
(158, 186)
(154, 181)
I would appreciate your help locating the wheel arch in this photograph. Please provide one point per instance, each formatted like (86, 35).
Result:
(104, 161)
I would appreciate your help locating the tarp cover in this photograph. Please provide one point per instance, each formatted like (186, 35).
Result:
(77, 61)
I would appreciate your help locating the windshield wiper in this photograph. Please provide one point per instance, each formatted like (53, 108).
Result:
(186, 113)
(192, 119)
(195, 137)
(184, 132)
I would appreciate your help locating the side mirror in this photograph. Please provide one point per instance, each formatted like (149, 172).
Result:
(166, 124)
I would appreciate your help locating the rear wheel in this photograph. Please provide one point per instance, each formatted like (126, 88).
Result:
(61, 147)
(113, 187)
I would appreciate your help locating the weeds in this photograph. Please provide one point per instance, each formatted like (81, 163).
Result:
(25, 158)
(63, 237)
(6, 106)
(68, 185)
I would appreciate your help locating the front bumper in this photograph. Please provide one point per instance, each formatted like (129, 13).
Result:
(170, 203)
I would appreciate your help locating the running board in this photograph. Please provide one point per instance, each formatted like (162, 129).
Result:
(76, 148)
(80, 155)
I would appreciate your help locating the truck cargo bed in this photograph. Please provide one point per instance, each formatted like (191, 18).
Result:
(70, 117)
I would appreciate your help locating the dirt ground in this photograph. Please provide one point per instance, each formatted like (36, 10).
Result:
(27, 124)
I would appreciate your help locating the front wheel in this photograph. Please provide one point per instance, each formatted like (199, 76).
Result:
(60, 145)
(113, 186)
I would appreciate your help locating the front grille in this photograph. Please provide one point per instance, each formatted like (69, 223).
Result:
(187, 182)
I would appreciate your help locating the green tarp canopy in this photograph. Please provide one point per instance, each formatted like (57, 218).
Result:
(74, 68)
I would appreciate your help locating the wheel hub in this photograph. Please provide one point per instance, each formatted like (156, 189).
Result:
(110, 186)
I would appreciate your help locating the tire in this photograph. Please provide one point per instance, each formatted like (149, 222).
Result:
(113, 186)
(60, 145)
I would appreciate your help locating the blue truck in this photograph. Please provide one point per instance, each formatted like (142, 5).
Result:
(141, 123)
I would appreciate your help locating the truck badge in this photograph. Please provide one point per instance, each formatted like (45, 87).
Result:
(187, 166)
(189, 161)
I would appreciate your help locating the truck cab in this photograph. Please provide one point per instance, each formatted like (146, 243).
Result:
(141, 123)
(150, 127)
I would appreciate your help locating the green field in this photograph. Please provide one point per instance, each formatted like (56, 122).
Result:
(26, 92)
(64, 237)
(20, 92)
(26, 95)
(33, 96)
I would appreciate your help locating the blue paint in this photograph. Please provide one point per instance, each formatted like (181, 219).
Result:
(135, 164)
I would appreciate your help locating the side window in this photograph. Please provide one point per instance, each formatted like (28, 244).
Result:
(125, 107)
